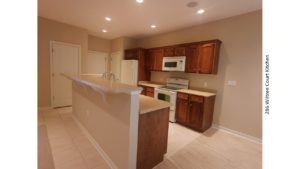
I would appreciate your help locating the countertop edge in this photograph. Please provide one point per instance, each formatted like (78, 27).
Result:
(103, 88)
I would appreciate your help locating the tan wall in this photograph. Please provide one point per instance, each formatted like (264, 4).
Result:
(98, 44)
(117, 45)
(51, 30)
(122, 44)
(238, 108)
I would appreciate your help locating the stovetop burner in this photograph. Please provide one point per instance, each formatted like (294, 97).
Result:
(174, 84)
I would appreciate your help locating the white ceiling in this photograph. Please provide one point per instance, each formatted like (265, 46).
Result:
(132, 19)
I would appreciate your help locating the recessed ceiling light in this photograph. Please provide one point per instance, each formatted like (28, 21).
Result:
(153, 26)
(139, 1)
(108, 18)
(200, 11)
(104, 30)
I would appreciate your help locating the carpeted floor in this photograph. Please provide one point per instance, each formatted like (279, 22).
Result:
(45, 159)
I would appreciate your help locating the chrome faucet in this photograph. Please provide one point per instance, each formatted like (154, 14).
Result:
(108, 76)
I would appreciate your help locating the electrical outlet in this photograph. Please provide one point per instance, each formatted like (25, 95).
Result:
(205, 84)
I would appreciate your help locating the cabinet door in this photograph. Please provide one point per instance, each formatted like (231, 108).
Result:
(195, 112)
(150, 94)
(207, 56)
(158, 60)
(149, 60)
(142, 71)
(156, 56)
(131, 54)
(143, 92)
(179, 51)
(182, 108)
(168, 51)
(192, 59)
(150, 91)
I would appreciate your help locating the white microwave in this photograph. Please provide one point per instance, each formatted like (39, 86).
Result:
(176, 63)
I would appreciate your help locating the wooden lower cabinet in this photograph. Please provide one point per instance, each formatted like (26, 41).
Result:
(150, 91)
(147, 91)
(152, 138)
(143, 92)
(194, 111)
(181, 108)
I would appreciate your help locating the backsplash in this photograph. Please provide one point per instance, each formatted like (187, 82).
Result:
(209, 83)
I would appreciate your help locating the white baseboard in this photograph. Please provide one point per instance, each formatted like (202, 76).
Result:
(237, 133)
(95, 144)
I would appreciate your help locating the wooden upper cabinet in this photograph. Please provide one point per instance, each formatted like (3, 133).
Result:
(201, 57)
(180, 51)
(174, 51)
(155, 57)
(132, 54)
(209, 56)
(192, 59)
(168, 51)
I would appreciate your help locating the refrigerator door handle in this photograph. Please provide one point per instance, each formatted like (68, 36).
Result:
(133, 72)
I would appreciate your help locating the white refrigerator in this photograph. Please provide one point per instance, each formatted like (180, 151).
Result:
(129, 72)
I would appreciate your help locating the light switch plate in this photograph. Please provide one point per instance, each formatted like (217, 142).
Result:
(231, 83)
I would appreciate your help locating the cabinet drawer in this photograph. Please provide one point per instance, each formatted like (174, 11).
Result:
(196, 98)
(182, 96)
(150, 89)
(150, 94)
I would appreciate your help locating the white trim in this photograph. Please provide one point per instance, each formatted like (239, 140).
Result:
(51, 60)
(238, 134)
(95, 144)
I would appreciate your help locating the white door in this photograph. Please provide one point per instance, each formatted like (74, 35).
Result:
(115, 64)
(64, 59)
(96, 62)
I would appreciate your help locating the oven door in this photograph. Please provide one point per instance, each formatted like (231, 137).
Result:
(165, 95)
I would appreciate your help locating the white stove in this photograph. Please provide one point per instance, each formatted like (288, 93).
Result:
(169, 93)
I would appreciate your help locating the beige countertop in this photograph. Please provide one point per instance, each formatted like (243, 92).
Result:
(103, 85)
(149, 104)
(150, 84)
(197, 92)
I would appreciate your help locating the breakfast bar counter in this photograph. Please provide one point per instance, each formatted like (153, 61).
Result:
(148, 104)
(131, 130)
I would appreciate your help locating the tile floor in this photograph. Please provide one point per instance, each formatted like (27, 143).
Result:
(70, 147)
(187, 149)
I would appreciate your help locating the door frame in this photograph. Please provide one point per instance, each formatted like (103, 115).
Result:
(121, 52)
(52, 42)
